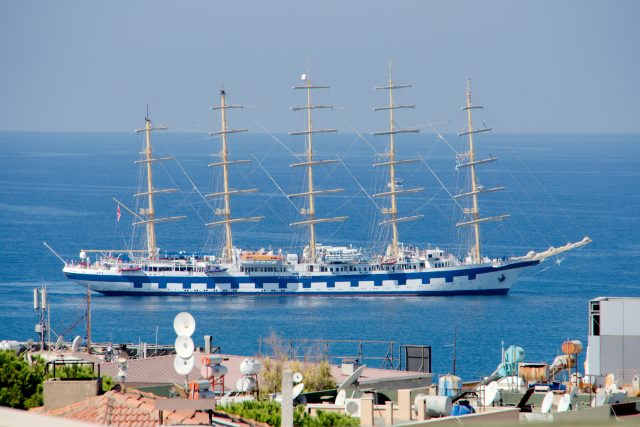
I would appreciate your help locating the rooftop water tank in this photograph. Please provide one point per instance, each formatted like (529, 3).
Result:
(514, 355)
(572, 347)
(449, 385)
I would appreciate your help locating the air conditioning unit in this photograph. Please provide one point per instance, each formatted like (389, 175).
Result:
(352, 407)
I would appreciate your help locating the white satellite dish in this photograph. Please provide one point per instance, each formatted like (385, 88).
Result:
(297, 377)
(303, 77)
(75, 345)
(341, 398)
(59, 342)
(565, 401)
(490, 393)
(183, 366)
(353, 378)
(297, 390)
(547, 402)
(184, 324)
(184, 346)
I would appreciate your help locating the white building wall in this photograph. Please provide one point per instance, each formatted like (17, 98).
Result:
(616, 349)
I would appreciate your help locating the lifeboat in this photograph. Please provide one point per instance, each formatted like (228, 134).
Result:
(126, 269)
(258, 257)
(215, 269)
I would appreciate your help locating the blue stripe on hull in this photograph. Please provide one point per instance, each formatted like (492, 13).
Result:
(330, 280)
(305, 282)
(502, 291)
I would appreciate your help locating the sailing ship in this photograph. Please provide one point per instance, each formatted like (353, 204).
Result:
(317, 269)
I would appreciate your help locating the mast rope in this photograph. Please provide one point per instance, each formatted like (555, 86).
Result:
(539, 183)
(275, 138)
(439, 181)
(274, 182)
(366, 141)
(440, 135)
(357, 182)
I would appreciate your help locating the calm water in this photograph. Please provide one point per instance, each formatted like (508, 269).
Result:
(58, 187)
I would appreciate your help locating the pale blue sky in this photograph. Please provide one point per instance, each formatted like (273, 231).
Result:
(539, 66)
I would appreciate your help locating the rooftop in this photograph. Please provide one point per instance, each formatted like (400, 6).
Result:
(136, 408)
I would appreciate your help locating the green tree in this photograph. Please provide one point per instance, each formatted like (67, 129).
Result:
(21, 382)
(269, 412)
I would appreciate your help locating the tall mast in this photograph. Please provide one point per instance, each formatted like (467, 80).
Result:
(476, 188)
(227, 252)
(394, 185)
(310, 210)
(149, 212)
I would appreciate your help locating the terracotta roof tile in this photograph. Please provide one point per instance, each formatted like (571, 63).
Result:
(135, 408)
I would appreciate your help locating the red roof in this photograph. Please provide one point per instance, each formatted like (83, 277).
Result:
(136, 408)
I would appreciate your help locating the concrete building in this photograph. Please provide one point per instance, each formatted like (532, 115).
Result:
(614, 339)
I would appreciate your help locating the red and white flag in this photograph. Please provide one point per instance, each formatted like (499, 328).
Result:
(118, 214)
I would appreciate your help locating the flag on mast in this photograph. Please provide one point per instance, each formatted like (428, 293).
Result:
(118, 214)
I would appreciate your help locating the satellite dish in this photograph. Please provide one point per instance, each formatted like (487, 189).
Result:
(184, 324)
(341, 398)
(75, 345)
(547, 402)
(297, 390)
(565, 401)
(353, 378)
(490, 393)
(303, 77)
(183, 366)
(184, 346)
(297, 377)
(59, 342)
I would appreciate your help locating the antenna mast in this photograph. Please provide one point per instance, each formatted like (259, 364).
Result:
(395, 187)
(149, 213)
(88, 319)
(476, 188)
(227, 253)
(310, 210)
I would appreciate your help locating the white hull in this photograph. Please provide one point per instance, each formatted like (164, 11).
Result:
(472, 279)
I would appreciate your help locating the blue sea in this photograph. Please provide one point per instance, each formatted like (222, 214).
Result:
(58, 187)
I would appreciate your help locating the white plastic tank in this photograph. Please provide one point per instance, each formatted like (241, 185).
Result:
(246, 384)
(250, 366)
(9, 345)
(213, 371)
(449, 385)
(437, 406)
